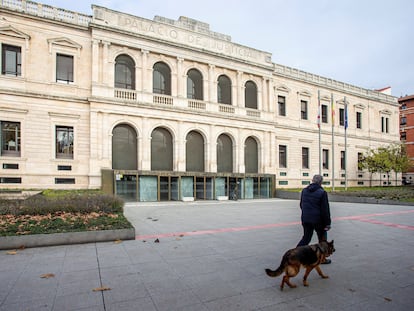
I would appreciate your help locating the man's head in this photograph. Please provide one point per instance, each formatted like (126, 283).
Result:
(317, 179)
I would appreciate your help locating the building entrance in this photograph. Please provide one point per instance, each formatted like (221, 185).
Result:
(150, 187)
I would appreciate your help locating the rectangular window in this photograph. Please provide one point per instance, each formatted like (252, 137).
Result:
(341, 116)
(304, 109)
(305, 157)
(343, 160)
(281, 102)
(384, 124)
(403, 136)
(403, 121)
(11, 60)
(282, 156)
(64, 142)
(360, 159)
(10, 139)
(67, 181)
(359, 120)
(64, 68)
(325, 159)
(324, 113)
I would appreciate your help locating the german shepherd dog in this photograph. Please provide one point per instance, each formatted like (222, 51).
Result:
(308, 256)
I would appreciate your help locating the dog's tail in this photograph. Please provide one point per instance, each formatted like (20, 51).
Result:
(278, 271)
(275, 273)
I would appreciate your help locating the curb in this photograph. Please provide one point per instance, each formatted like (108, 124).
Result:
(37, 240)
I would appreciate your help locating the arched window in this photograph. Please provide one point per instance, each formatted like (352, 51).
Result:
(194, 84)
(224, 90)
(124, 72)
(250, 95)
(251, 155)
(161, 150)
(124, 148)
(194, 152)
(161, 79)
(224, 154)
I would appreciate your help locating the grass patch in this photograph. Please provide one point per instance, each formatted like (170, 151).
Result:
(62, 211)
(402, 193)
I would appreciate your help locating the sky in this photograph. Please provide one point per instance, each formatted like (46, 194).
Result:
(366, 43)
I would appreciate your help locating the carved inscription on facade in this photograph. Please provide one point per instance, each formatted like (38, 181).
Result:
(176, 34)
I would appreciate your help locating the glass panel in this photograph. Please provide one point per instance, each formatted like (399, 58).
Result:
(64, 68)
(200, 188)
(194, 152)
(249, 188)
(124, 72)
(264, 187)
(175, 189)
(126, 186)
(250, 95)
(251, 155)
(256, 188)
(221, 186)
(161, 150)
(194, 84)
(224, 154)
(11, 60)
(209, 188)
(164, 189)
(161, 79)
(124, 148)
(224, 90)
(10, 138)
(148, 188)
(187, 186)
(64, 142)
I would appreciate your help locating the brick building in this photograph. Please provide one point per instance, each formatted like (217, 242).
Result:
(407, 131)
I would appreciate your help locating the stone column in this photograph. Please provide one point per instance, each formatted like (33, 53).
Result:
(144, 78)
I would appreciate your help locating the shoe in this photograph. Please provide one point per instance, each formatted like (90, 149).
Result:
(326, 262)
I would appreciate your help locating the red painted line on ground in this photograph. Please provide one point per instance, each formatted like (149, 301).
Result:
(387, 224)
(284, 224)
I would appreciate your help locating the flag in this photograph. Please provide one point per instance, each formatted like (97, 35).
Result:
(318, 121)
(346, 116)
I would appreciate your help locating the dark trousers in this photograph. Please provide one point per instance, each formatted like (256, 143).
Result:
(308, 229)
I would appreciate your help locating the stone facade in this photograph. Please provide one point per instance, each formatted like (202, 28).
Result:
(91, 105)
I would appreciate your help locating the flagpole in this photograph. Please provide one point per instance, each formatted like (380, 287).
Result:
(319, 126)
(346, 126)
(333, 144)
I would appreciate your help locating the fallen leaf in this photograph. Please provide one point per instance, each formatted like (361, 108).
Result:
(157, 241)
(101, 289)
(118, 241)
(47, 276)
(11, 252)
(22, 247)
(387, 299)
(352, 290)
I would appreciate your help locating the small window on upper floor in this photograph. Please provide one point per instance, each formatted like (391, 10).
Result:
(303, 109)
(124, 72)
(11, 60)
(64, 68)
(359, 120)
(250, 95)
(281, 103)
(324, 109)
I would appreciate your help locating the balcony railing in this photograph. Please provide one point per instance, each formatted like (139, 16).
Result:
(137, 98)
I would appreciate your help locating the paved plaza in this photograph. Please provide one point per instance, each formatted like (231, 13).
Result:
(201, 256)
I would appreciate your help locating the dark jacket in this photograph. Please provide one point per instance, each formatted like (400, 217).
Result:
(315, 206)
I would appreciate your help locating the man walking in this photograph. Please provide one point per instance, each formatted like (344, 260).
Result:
(316, 215)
